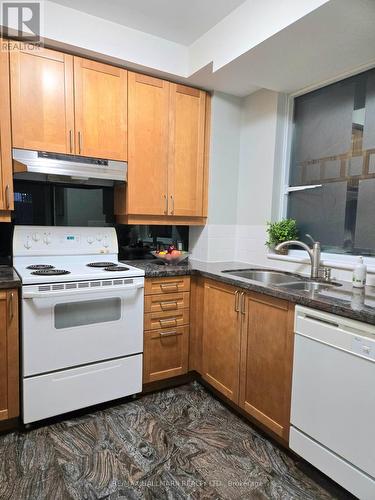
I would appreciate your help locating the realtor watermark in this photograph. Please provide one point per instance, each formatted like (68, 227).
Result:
(21, 23)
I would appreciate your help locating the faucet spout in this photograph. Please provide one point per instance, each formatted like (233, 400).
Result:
(314, 254)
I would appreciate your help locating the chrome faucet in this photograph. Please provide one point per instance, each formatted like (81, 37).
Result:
(314, 253)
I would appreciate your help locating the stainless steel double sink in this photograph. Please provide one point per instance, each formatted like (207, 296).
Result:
(282, 279)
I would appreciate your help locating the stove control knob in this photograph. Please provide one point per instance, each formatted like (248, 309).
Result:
(99, 237)
(47, 240)
(28, 244)
(36, 236)
(90, 240)
(105, 243)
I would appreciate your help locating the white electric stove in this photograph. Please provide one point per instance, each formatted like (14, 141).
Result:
(82, 319)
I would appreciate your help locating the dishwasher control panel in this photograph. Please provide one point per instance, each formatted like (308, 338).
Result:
(364, 347)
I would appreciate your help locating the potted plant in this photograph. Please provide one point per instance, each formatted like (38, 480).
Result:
(280, 231)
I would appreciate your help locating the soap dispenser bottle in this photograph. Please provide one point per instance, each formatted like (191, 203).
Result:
(359, 274)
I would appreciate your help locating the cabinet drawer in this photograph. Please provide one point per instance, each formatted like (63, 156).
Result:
(166, 353)
(167, 285)
(167, 302)
(166, 319)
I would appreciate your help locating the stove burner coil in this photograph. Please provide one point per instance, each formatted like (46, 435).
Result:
(50, 272)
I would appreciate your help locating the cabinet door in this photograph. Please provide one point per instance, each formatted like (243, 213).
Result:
(166, 353)
(42, 100)
(186, 174)
(6, 173)
(221, 339)
(266, 361)
(100, 97)
(148, 145)
(9, 363)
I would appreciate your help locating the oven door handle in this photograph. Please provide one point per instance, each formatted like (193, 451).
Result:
(81, 291)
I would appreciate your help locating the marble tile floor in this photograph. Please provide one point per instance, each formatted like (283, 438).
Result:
(176, 444)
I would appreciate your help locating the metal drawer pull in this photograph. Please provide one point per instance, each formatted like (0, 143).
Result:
(79, 143)
(165, 323)
(71, 140)
(166, 204)
(169, 287)
(321, 320)
(236, 297)
(11, 312)
(243, 303)
(172, 210)
(168, 306)
(7, 197)
(168, 334)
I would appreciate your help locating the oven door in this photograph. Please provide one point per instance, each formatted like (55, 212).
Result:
(73, 327)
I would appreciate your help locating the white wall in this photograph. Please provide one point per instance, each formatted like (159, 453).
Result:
(216, 240)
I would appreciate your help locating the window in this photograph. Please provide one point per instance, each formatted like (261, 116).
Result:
(331, 189)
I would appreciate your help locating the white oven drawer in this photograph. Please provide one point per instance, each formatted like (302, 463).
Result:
(56, 393)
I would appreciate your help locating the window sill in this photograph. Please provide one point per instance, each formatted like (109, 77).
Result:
(330, 260)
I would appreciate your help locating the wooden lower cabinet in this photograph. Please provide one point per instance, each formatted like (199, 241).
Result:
(266, 361)
(9, 355)
(221, 338)
(166, 353)
(247, 351)
(166, 325)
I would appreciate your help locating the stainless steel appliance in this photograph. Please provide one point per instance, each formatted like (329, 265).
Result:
(82, 319)
(39, 165)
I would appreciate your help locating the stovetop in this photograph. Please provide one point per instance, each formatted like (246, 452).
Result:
(61, 254)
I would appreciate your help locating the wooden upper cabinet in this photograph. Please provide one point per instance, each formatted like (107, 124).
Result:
(42, 100)
(186, 174)
(221, 338)
(100, 110)
(148, 113)
(6, 173)
(9, 356)
(266, 361)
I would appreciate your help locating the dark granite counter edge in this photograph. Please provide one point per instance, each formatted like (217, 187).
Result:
(9, 278)
(328, 304)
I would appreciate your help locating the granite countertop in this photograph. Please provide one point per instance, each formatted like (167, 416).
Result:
(344, 300)
(9, 278)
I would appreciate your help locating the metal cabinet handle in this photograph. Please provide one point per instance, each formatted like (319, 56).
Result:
(167, 334)
(168, 306)
(7, 197)
(243, 302)
(11, 312)
(71, 140)
(236, 297)
(169, 287)
(166, 204)
(168, 323)
(79, 143)
(172, 199)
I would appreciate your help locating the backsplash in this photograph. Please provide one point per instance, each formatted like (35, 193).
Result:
(135, 242)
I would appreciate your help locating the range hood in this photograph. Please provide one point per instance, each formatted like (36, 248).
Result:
(39, 165)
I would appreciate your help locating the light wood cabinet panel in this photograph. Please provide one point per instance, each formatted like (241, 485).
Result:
(166, 319)
(9, 355)
(100, 110)
(42, 100)
(148, 110)
(166, 354)
(173, 302)
(266, 361)
(186, 173)
(167, 285)
(221, 338)
(6, 173)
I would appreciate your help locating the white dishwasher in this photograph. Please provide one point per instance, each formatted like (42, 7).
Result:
(333, 398)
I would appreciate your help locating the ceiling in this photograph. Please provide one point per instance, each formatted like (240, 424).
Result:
(179, 21)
